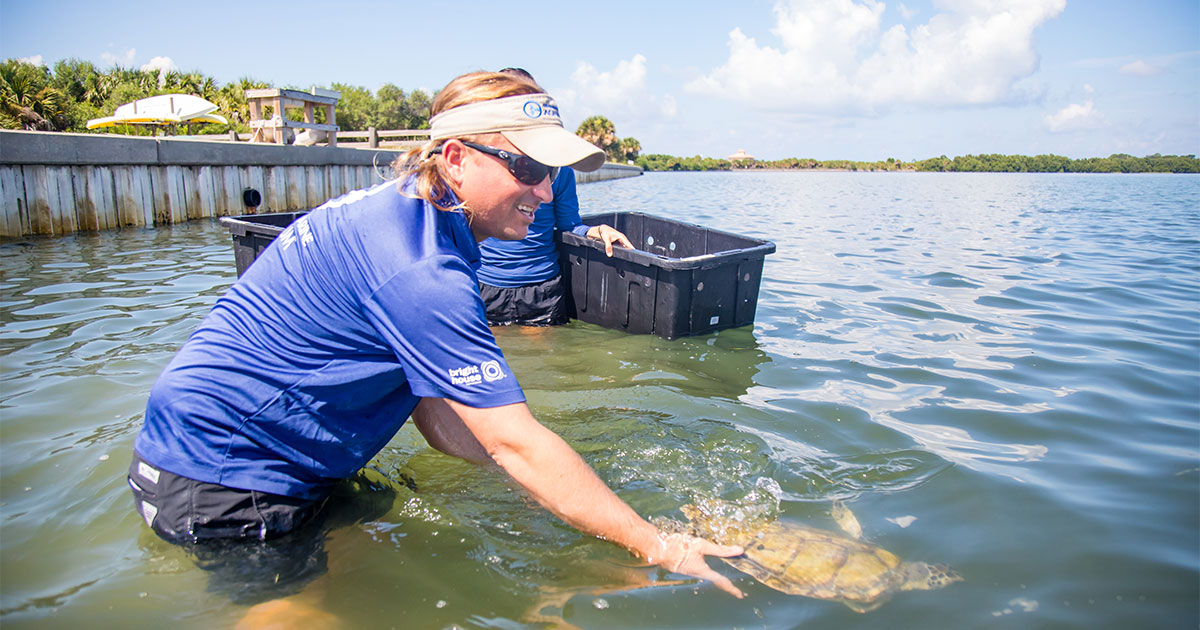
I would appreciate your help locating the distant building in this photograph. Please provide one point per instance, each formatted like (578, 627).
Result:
(741, 156)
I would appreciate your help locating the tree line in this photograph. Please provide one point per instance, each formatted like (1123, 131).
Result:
(987, 163)
(65, 97)
(1116, 163)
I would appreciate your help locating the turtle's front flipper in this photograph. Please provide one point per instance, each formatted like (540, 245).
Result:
(846, 520)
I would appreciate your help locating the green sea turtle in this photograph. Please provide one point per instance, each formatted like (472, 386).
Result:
(802, 560)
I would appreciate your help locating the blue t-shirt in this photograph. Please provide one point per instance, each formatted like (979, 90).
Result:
(310, 363)
(534, 259)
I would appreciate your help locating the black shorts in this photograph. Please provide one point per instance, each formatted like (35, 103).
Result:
(183, 510)
(256, 546)
(543, 304)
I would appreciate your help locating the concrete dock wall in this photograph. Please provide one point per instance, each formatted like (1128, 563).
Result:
(607, 172)
(60, 183)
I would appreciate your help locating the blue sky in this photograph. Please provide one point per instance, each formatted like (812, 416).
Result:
(826, 79)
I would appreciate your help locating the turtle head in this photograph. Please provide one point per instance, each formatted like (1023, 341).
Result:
(722, 524)
(691, 512)
(926, 577)
(701, 522)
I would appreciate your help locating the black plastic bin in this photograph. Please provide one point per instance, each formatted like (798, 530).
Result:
(682, 279)
(253, 232)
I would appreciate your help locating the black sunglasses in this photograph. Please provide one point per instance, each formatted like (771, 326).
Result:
(527, 170)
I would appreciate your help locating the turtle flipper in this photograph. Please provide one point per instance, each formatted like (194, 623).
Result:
(846, 520)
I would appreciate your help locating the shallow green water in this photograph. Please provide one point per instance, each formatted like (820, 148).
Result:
(998, 372)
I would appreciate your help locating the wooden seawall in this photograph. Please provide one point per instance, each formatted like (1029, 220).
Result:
(60, 183)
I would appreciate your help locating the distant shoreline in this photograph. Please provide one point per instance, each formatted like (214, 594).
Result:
(987, 163)
(880, 170)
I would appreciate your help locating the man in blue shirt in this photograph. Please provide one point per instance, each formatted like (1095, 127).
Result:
(520, 281)
(365, 311)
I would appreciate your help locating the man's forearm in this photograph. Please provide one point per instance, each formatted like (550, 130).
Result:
(557, 477)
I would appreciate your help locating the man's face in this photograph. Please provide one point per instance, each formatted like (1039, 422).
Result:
(498, 205)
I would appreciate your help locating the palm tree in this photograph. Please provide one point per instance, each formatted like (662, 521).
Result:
(72, 77)
(27, 100)
(598, 130)
(231, 101)
(630, 148)
(208, 88)
(183, 82)
(95, 89)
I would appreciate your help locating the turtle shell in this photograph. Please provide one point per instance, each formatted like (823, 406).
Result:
(802, 560)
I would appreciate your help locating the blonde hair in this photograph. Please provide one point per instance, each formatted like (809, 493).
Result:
(430, 179)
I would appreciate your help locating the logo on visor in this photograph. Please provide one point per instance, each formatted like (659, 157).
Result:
(533, 110)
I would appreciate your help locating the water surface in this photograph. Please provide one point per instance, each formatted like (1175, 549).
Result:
(998, 372)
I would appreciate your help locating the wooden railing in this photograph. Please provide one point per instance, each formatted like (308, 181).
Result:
(275, 128)
(371, 138)
(386, 139)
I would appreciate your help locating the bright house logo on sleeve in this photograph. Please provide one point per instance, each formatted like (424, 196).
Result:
(475, 374)
(491, 371)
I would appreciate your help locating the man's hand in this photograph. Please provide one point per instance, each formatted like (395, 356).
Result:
(609, 235)
(681, 553)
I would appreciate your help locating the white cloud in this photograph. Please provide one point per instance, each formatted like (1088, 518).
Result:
(1141, 68)
(159, 64)
(1074, 117)
(124, 59)
(620, 94)
(34, 60)
(835, 56)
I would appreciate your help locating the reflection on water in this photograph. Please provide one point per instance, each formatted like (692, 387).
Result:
(998, 372)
